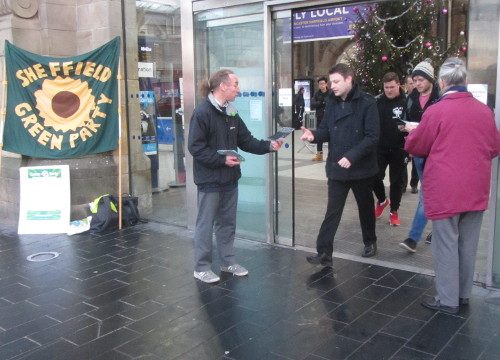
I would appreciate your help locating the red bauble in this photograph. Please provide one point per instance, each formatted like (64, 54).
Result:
(444, 11)
(384, 58)
(428, 44)
(464, 48)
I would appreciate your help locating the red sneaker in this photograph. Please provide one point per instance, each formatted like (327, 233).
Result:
(394, 219)
(379, 208)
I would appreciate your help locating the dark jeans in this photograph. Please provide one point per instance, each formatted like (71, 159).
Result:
(395, 159)
(337, 195)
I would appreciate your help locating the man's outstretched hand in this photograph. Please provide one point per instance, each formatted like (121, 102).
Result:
(307, 135)
(276, 144)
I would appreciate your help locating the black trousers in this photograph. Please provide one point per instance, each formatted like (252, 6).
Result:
(395, 159)
(337, 195)
(414, 175)
(319, 146)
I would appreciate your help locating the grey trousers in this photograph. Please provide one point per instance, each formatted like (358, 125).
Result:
(216, 213)
(454, 246)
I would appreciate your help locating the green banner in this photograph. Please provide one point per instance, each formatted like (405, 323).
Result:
(62, 107)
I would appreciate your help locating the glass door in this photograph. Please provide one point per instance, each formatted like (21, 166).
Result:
(232, 38)
(282, 113)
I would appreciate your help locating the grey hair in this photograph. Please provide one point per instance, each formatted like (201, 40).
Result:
(453, 72)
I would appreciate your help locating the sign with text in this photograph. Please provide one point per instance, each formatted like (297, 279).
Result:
(327, 23)
(62, 107)
(45, 205)
(146, 69)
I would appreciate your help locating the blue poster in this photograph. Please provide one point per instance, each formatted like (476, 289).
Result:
(327, 23)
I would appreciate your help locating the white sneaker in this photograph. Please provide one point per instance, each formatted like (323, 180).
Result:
(235, 269)
(208, 277)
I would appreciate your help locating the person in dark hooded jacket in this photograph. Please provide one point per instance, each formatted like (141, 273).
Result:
(216, 125)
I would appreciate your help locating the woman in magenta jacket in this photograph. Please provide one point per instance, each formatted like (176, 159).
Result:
(459, 138)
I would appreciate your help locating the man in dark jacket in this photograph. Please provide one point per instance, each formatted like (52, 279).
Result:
(351, 127)
(391, 109)
(216, 125)
(318, 103)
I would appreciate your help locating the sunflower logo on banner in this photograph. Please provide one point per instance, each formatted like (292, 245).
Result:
(62, 107)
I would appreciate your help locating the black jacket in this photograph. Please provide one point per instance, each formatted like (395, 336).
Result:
(318, 103)
(211, 130)
(351, 128)
(414, 111)
(389, 111)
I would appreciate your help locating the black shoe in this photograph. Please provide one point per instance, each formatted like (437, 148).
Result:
(322, 259)
(409, 244)
(414, 190)
(428, 239)
(369, 250)
(463, 301)
(434, 304)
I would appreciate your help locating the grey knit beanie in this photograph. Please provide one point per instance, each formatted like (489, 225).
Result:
(424, 69)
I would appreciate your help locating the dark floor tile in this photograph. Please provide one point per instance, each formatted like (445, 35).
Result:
(116, 355)
(375, 272)
(26, 329)
(24, 312)
(493, 349)
(351, 309)
(379, 347)
(398, 300)
(374, 293)
(157, 319)
(57, 331)
(313, 311)
(59, 297)
(348, 289)
(462, 347)
(365, 326)
(18, 292)
(421, 281)
(433, 337)
(222, 344)
(411, 354)
(97, 330)
(403, 327)
(104, 343)
(108, 310)
(483, 322)
(72, 312)
(59, 350)
(395, 278)
(416, 311)
(140, 312)
(337, 347)
(16, 348)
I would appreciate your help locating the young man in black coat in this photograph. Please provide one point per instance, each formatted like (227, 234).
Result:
(216, 125)
(391, 109)
(318, 103)
(351, 127)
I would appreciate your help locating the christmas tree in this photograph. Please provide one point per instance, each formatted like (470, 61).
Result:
(396, 36)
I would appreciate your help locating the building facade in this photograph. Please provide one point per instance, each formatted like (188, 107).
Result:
(169, 46)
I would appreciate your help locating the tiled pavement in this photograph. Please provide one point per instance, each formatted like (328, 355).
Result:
(132, 295)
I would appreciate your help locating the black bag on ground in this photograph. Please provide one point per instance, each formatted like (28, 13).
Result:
(104, 211)
(130, 210)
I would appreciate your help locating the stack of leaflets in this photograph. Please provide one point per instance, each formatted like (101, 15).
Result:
(232, 153)
(281, 133)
